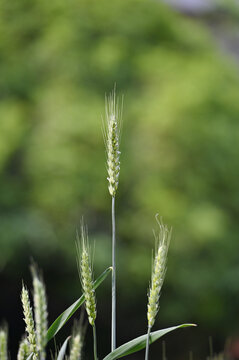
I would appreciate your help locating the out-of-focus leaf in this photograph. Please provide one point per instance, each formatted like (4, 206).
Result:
(63, 350)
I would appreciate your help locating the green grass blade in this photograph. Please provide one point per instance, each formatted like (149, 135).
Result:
(62, 351)
(66, 315)
(139, 343)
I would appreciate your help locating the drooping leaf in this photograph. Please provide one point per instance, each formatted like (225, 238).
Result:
(66, 315)
(139, 343)
(63, 349)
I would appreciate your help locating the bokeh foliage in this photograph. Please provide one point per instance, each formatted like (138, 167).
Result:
(179, 149)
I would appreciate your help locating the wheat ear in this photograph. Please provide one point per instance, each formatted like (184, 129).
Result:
(40, 312)
(24, 350)
(87, 281)
(3, 344)
(111, 133)
(28, 318)
(76, 347)
(77, 339)
(162, 239)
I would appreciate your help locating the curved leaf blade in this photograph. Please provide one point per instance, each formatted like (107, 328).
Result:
(139, 343)
(66, 315)
(63, 350)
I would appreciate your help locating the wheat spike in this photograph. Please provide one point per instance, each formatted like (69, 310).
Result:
(40, 312)
(24, 350)
(28, 318)
(158, 271)
(111, 132)
(3, 344)
(85, 270)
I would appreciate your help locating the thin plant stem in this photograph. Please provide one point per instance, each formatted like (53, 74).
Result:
(95, 342)
(113, 318)
(147, 344)
(164, 350)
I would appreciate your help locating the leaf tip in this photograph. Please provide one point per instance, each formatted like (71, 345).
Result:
(189, 324)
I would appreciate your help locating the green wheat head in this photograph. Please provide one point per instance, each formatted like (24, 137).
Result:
(85, 271)
(3, 344)
(111, 133)
(162, 238)
(24, 350)
(29, 321)
(77, 339)
(40, 312)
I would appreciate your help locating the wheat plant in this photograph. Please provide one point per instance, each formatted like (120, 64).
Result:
(111, 133)
(37, 334)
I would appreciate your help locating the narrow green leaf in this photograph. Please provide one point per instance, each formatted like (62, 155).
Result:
(63, 349)
(139, 343)
(66, 315)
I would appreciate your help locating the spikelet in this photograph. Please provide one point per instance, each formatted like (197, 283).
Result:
(3, 344)
(28, 318)
(40, 312)
(85, 270)
(24, 350)
(111, 132)
(158, 271)
(76, 347)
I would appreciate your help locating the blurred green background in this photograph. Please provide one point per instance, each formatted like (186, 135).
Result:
(179, 158)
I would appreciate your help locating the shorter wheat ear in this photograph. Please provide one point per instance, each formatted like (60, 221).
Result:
(162, 239)
(87, 281)
(29, 321)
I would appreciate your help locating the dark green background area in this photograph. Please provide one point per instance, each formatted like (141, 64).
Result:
(179, 159)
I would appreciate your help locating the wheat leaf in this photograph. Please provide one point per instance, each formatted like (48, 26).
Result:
(139, 343)
(66, 315)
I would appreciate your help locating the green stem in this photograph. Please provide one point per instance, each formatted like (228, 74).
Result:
(147, 344)
(113, 318)
(95, 342)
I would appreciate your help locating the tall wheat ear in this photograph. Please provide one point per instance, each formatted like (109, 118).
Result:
(112, 132)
